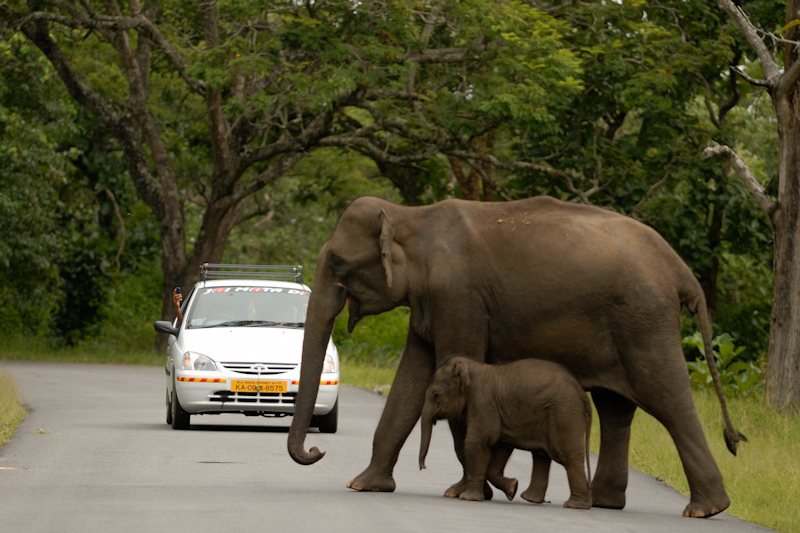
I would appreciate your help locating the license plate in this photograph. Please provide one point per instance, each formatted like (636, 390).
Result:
(246, 385)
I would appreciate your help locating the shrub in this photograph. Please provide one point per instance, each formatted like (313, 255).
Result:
(739, 377)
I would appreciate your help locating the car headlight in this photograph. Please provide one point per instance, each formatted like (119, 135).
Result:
(330, 366)
(196, 361)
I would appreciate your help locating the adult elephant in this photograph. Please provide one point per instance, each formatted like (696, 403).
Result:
(595, 291)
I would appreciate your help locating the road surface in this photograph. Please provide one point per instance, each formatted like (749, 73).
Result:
(95, 455)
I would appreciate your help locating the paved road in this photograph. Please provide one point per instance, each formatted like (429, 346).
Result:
(95, 455)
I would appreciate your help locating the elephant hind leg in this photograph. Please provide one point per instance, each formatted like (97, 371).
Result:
(611, 478)
(707, 491)
(540, 476)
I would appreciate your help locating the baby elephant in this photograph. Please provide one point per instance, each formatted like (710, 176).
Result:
(528, 404)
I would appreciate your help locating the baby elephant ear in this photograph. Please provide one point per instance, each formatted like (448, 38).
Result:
(461, 376)
(386, 246)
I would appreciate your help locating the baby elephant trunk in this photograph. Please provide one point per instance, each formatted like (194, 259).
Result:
(426, 424)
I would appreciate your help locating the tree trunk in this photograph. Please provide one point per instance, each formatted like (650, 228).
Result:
(783, 370)
(783, 85)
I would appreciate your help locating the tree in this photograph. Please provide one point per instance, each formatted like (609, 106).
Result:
(783, 370)
(32, 169)
(216, 100)
(656, 91)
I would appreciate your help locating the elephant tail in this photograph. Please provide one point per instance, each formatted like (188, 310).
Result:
(695, 301)
(587, 408)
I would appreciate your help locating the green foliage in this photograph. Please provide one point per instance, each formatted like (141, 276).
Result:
(376, 340)
(614, 95)
(33, 169)
(133, 304)
(738, 376)
(64, 197)
(290, 223)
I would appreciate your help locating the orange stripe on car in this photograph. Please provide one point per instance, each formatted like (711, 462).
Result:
(321, 382)
(204, 380)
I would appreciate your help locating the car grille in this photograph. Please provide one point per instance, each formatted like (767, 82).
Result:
(272, 398)
(259, 369)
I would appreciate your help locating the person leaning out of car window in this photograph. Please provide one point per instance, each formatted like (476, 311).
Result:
(176, 299)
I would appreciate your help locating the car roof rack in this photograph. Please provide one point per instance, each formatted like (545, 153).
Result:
(222, 271)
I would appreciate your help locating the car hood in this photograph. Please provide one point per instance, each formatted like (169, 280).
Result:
(246, 344)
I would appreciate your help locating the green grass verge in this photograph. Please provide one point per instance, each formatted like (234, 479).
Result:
(763, 480)
(12, 412)
(87, 352)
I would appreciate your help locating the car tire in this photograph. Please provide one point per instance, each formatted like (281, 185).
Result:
(329, 423)
(180, 418)
(169, 410)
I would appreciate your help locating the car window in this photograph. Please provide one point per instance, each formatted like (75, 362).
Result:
(243, 306)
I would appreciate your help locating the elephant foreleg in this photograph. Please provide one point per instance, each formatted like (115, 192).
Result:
(402, 410)
(494, 473)
(611, 478)
(478, 454)
(459, 431)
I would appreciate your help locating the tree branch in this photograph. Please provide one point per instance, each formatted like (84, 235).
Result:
(748, 79)
(524, 165)
(124, 129)
(83, 20)
(789, 79)
(756, 189)
(743, 23)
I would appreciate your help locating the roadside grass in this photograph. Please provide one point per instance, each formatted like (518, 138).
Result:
(763, 480)
(366, 376)
(12, 412)
(100, 352)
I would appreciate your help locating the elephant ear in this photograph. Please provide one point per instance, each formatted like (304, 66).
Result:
(461, 376)
(386, 246)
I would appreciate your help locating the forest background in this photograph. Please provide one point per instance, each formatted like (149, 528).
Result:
(139, 140)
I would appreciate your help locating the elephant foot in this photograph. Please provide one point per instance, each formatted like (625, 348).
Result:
(368, 481)
(578, 503)
(511, 489)
(533, 496)
(506, 484)
(704, 510)
(472, 495)
(607, 498)
(457, 489)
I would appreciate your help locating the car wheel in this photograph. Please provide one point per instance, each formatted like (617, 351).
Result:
(330, 422)
(169, 410)
(180, 418)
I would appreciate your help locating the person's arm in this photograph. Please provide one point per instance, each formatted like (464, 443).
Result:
(176, 299)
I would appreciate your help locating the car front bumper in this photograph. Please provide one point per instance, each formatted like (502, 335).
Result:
(201, 393)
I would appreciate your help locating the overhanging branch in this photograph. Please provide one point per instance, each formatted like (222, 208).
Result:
(746, 27)
(756, 189)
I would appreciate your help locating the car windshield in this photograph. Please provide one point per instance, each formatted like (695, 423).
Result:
(242, 306)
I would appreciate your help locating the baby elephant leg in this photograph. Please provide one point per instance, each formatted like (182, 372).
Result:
(494, 473)
(580, 497)
(540, 476)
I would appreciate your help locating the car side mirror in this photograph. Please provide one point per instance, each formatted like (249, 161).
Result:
(162, 326)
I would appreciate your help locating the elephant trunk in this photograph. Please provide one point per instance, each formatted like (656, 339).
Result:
(426, 425)
(323, 306)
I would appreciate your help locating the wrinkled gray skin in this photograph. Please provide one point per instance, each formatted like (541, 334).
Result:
(595, 291)
(529, 404)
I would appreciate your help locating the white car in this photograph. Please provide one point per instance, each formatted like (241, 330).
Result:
(238, 348)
